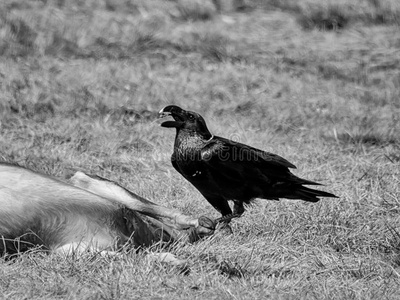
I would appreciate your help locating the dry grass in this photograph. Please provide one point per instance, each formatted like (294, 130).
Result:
(80, 86)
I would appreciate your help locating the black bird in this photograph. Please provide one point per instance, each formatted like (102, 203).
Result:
(224, 170)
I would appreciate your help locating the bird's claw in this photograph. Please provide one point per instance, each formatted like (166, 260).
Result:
(225, 228)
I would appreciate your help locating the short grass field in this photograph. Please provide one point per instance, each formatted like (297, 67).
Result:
(315, 81)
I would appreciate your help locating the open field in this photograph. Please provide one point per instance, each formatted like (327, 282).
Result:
(318, 83)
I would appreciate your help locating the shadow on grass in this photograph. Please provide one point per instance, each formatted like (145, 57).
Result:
(331, 18)
(314, 14)
(20, 38)
(367, 138)
(391, 245)
(193, 11)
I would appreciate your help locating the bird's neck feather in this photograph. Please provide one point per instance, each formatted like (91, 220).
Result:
(190, 140)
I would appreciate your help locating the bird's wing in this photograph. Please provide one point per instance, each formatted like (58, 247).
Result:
(221, 149)
(174, 164)
(247, 163)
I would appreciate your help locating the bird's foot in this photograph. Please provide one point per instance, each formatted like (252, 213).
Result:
(227, 218)
(225, 228)
(223, 222)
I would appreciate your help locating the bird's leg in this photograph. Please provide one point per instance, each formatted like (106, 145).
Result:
(222, 205)
(238, 208)
(226, 219)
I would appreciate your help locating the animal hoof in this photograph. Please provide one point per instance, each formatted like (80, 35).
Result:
(205, 228)
(207, 223)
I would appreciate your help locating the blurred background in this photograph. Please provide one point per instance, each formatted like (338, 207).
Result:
(82, 81)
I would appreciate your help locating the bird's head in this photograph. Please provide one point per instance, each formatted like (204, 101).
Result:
(184, 120)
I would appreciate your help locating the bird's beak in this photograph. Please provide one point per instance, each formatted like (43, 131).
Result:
(178, 120)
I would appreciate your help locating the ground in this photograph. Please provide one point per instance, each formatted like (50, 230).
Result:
(316, 82)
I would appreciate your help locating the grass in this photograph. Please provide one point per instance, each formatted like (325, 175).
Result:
(81, 83)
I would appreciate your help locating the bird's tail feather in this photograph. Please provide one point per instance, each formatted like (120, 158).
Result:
(307, 194)
(301, 181)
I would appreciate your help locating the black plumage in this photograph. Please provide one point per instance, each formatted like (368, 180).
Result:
(224, 170)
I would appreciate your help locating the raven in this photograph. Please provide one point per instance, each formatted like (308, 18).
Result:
(223, 170)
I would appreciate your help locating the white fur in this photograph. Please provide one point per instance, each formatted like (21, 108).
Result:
(91, 214)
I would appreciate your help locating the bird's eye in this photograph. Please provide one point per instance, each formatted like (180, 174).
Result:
(191, 117)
